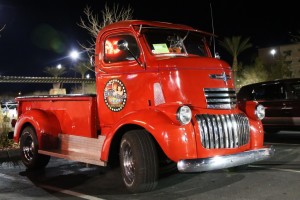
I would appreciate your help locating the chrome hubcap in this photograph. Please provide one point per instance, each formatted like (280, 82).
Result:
(128, 163)
(28, 148)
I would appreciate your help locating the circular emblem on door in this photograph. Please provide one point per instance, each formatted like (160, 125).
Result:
(115, 95)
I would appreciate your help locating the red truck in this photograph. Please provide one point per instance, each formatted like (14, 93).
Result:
(161, 98)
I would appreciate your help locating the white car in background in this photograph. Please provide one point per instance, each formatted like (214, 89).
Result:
(9, 109)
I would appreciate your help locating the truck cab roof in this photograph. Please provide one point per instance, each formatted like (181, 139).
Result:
(145, 23)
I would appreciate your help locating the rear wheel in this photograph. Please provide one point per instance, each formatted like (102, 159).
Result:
(138, 161)
(29, 150)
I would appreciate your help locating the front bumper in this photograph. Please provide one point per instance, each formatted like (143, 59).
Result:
(227, 161)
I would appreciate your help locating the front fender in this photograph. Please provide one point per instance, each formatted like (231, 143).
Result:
(257, 134)
(45, 124)
(177, 141)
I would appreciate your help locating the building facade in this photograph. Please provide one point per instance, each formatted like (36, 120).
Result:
(291, 51)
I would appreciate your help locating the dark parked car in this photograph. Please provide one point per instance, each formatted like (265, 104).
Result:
(281, 99)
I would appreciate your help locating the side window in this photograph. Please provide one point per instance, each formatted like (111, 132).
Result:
(269, 92)
(293, 90)
(246, 93)
(113, 54)
(258, 93)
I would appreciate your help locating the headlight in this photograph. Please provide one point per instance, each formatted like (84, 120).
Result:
(184, 115)
(260, 111)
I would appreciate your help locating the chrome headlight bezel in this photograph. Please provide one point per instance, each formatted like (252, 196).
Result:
(260, 112)
(184, 115)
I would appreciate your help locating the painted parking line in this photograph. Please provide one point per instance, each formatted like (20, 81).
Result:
(12, 178)
(277, 169)
(285, 144)
(70, 192)
(56, 189)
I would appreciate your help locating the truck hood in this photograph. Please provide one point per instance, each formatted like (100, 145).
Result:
(196, 81)
(194, 62)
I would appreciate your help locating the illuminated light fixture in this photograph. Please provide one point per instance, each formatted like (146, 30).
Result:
(74, 55)
(273, 52)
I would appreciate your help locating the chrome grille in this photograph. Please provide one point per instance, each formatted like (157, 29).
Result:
(223, 131)
(220, 98)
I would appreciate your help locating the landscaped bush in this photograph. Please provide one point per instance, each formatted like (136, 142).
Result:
(5, 143)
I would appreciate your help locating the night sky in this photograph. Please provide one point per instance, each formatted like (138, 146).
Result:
(42, 33)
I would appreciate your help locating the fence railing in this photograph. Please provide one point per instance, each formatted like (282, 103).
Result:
(26, 79)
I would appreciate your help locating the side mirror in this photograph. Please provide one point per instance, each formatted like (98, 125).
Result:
(122, 45)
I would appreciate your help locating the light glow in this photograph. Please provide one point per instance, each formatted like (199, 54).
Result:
(74, 55)
(273, 52)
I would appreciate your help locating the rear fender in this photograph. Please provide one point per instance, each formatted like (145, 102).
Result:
(177, 141)
(46, 125)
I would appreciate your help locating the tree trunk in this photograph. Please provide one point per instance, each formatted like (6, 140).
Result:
(56, 85)
(235, 70)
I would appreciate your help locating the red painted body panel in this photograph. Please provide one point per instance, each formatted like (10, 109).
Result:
(177, 141)
(74, 115)
(45, 123)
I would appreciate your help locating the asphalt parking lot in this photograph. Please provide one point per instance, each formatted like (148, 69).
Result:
(277, 178)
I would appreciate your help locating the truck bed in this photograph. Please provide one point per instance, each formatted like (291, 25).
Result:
(77, 114)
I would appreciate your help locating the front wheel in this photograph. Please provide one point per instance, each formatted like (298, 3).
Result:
(138, 161)
(29, 150)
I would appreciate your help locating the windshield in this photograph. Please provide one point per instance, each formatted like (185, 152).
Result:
(174, 41)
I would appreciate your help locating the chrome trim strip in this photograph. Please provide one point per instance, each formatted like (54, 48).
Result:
(226, 161)
(218, 89)
(220, 98)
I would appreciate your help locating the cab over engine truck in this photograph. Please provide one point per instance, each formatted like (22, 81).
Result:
(161, 98)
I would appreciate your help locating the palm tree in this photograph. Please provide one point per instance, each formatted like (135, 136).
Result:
(235, 45)
(2, 28)
(295, 37)
(55, 72)
(82, 68)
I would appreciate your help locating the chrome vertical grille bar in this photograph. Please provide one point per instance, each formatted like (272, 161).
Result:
(231, 141)
(204, 131)
(223, 131)
(215, 132)
(234, 131)
(210, 132)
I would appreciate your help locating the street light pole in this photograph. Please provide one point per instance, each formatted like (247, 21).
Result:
(74, 55)
(60, 84)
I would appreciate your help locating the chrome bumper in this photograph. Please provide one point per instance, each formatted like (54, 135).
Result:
(227, 161)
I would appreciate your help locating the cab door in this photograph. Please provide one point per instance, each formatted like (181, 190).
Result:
(123, 82)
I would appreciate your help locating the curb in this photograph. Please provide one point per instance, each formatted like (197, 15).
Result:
(10, 155)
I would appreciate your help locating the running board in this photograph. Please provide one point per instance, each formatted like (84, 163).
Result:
(77, 148)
